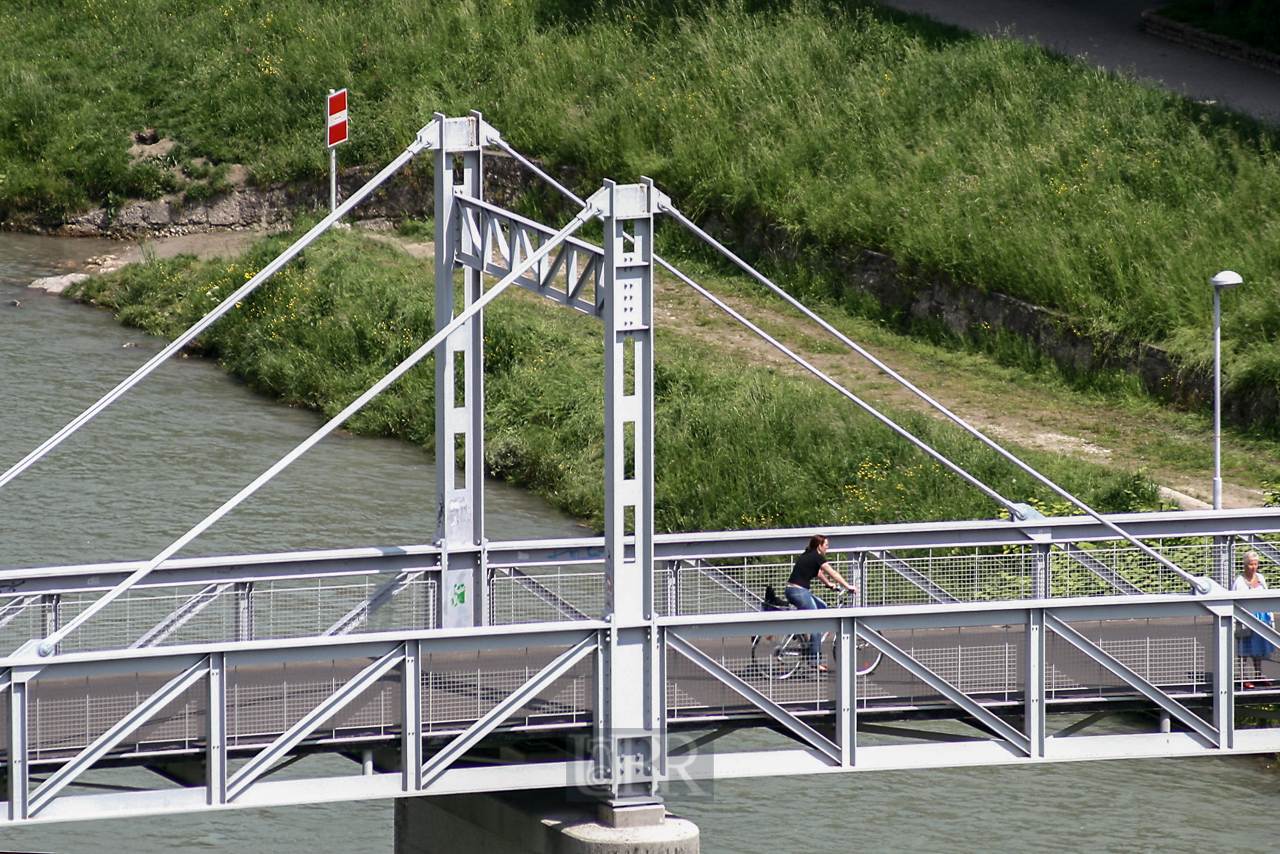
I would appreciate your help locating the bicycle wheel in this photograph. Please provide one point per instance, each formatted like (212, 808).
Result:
(778, 656)
(866, 658)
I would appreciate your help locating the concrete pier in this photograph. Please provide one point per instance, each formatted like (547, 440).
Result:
(539, 822)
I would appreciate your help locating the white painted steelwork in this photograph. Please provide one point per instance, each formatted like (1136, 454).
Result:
(214, 705)
(238, 667)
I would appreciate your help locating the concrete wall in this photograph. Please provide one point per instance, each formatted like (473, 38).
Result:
(541, 822)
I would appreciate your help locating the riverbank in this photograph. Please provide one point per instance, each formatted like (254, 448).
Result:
(772, 449)
(1001, 167)
(1051, 419)
(930, 305)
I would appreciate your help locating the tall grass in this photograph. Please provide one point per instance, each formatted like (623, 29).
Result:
(839, 124)
(734, 448)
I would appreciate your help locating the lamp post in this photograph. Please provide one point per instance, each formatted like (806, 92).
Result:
(1224, 281)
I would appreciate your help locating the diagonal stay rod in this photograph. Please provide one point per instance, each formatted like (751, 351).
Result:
(50, 643)
(1196, 584)
(866, 407)
(892, 425)
(218, 311)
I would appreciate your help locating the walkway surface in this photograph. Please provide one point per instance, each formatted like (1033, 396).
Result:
(1108, 33)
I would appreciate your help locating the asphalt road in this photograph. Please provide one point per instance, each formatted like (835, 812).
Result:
(1107, 33)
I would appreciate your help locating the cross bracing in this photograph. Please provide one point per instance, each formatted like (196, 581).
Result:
(235, 711)
(627, 652)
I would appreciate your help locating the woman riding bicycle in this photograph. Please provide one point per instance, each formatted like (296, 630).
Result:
(810, 565)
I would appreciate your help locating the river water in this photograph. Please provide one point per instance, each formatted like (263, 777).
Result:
(173, 449)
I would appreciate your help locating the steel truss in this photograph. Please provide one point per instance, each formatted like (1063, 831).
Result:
(420, 692)
(195, 686)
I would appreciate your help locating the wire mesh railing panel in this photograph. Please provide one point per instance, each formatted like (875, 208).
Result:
(67, 715)
(150, 617)
(413, 606)
(1169, 653)
(225, 612)
(910, 579)
(727, 587)
(570, 699)
(692, 692)
(458, 689)
(264, 701)
(293, 609)
(549, 594)
(377, 711)
(25, 617)
(180, 724)
(984, 662)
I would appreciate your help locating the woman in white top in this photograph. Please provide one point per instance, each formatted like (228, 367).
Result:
(1254, 646)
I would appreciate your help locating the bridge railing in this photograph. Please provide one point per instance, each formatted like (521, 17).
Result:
(358, 591)
(408, 706)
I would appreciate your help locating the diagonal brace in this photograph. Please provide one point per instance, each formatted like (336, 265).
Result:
(1246, 618)
(41, 797)
(180, 617)
(1100, 569)
(440, 762)
(360, 614)
(984, 715)
(1146, 688)
(258, 765)
(797, 727)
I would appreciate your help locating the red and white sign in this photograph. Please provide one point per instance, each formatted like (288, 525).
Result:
(337, 117)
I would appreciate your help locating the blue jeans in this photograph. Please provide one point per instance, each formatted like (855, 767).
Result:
(803, 598)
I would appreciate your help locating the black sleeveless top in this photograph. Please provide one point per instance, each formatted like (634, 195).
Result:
(806, 568)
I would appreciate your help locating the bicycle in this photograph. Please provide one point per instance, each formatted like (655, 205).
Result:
(780, 656)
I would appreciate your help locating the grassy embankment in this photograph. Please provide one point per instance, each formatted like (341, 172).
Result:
(840, 124)
(735, 447)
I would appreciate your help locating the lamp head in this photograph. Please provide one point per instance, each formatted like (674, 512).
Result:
(1226, 280)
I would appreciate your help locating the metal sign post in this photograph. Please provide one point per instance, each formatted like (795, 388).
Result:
(337, 134)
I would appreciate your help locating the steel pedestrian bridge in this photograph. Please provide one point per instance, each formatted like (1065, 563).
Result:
(612, 664)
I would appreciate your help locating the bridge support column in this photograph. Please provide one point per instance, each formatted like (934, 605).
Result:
(630, 749)
(538, 822)
(459, 385)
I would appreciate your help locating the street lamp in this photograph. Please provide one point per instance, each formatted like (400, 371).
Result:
(1224, 281)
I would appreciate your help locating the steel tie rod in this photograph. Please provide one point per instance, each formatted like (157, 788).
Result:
(866, 407)
(218, 311)
(50, 643)
(1195, 583)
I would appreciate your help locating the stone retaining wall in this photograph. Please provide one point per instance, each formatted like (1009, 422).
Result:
(964, 310)
(972, 313)
(408, 194)
(1208, 42)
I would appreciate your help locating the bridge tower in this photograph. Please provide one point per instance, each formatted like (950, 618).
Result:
(628, 742)
(459, 378)
(630, 715)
